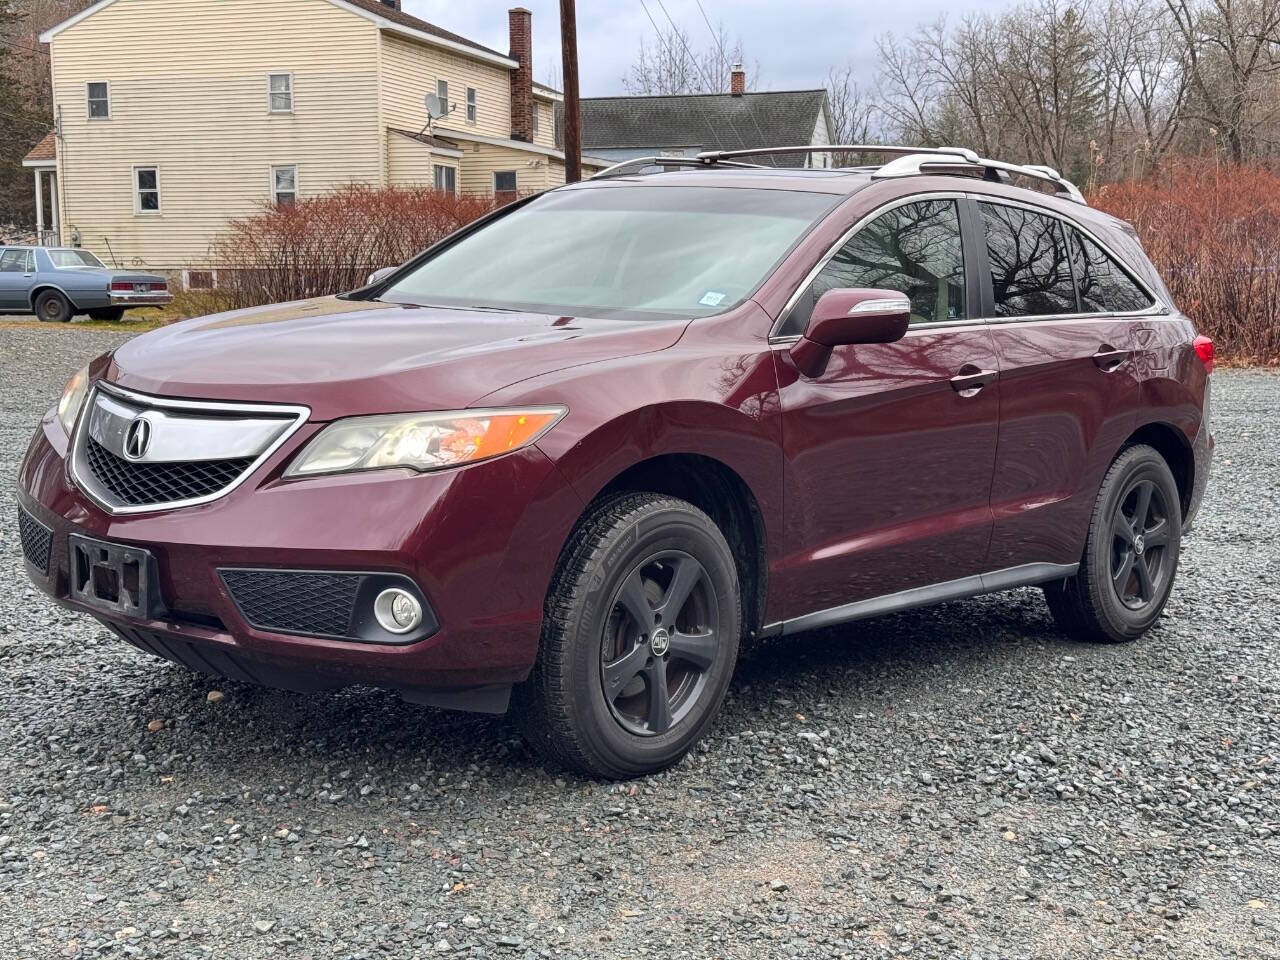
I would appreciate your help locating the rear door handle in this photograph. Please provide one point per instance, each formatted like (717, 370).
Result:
(971, 379)
(1108, 358)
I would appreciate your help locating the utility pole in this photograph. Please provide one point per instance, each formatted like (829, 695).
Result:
(572, 113)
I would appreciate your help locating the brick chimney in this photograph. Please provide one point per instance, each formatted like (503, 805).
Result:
(521, 24)
(738, 80)
(393, 4)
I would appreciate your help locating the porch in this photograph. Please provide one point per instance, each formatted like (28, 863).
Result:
(43, 163)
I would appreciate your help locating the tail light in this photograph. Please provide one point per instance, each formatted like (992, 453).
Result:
(122, 286)
(129, 286)
(1204, 350)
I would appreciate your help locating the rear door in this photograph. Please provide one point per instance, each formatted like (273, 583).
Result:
(17, 274)
(889, 452)
(1068, 391)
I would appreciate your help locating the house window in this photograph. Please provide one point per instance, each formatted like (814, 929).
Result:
(536, 111)
(146, 189)
(284, 185)
(446, 178)
(471, 104)
(280, 92)
(99, 100)
(504, 185)
(442, 91)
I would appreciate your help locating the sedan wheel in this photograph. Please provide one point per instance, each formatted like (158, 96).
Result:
(639, 639)
(53, 307)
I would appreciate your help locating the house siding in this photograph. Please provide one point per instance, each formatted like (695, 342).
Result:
(481, 160)
(410, 71)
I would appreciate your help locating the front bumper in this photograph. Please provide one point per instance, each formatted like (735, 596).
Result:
(479, 542)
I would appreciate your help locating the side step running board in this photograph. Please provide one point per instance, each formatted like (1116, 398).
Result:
(1024, 576)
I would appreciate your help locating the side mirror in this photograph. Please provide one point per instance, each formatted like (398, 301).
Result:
(850, 315)
(380, 275)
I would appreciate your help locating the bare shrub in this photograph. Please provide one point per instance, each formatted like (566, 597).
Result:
(328, 244)
(1212, 230)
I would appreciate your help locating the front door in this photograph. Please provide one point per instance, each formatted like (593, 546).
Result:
(889, 453)
(17, 274)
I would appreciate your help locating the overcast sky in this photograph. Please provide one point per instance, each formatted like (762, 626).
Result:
(794, 41)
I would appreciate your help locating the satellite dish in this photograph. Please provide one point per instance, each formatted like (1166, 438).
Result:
(435, 106)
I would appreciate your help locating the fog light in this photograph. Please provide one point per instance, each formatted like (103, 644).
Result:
(397, 611)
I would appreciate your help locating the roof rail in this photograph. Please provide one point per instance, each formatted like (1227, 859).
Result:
(639, 163)
(923, 162)
(719, 156)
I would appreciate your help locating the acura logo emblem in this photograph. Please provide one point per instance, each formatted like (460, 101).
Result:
(137, 438)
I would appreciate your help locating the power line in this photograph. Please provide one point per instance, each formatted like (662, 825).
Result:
(698, 66)
(705, 119)
(724, 57)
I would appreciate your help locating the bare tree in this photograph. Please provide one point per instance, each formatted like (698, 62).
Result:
(674, 63)
(1233, 57)
(853, 113)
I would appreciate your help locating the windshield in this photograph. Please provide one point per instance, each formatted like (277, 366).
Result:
(618, 252)
(74, 258)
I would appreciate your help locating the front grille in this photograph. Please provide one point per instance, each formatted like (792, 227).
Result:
(295, 601)
(37, 539)
(142, 484)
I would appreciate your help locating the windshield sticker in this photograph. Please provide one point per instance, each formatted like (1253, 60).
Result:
(712, 298)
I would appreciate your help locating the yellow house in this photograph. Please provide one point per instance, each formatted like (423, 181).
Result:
(174, 116)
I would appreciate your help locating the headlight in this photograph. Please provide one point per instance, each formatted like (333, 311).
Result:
(422, 441)
(72, 399)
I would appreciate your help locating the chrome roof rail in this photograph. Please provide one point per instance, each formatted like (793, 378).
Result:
(920, 163)
(640, 163)
(719, 156)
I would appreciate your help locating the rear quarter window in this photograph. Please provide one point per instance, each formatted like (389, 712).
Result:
(1105, 286)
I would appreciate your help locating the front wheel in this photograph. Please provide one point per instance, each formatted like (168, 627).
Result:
(640, 637)
(1131, 556)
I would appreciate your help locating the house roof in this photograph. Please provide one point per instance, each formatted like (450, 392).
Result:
(44, 152)
(446, 147)
(710, 121)
(380, 9)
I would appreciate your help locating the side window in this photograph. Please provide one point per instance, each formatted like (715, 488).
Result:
(914, 249)
(1104, 285)
(13, 261)
(1030, 263)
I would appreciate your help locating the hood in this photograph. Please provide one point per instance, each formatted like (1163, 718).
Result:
(344, 358)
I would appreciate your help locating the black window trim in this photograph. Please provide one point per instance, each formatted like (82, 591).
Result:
(977, 268)
(1157, 308)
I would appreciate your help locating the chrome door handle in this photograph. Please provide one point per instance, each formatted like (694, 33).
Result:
(1108, 358)
(970, 380)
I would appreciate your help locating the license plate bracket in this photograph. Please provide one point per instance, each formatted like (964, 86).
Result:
(112, 577)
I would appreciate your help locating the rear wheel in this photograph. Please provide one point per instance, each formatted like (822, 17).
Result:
(108, 314)
(1131, 556)
(53, 307)
(640, 637)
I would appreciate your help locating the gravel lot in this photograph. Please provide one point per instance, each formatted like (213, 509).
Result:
(961, 782)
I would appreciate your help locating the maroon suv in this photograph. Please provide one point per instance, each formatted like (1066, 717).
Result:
(571, 455)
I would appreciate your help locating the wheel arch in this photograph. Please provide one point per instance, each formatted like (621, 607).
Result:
(719, 491)
(1172, 444)
(42, 287)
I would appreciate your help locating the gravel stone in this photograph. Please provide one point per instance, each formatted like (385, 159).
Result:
(909, 782)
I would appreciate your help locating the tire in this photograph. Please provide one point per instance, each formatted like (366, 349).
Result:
(607, 662)
(1126, 573)
(53, 307)
(108, 314)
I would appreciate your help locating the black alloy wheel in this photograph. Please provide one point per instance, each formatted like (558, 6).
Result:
(659, 642)
(1131, 553)
(1141, 561)
(639, 638)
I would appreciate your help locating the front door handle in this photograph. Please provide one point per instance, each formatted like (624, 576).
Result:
(971, 379)
(1108, 358)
